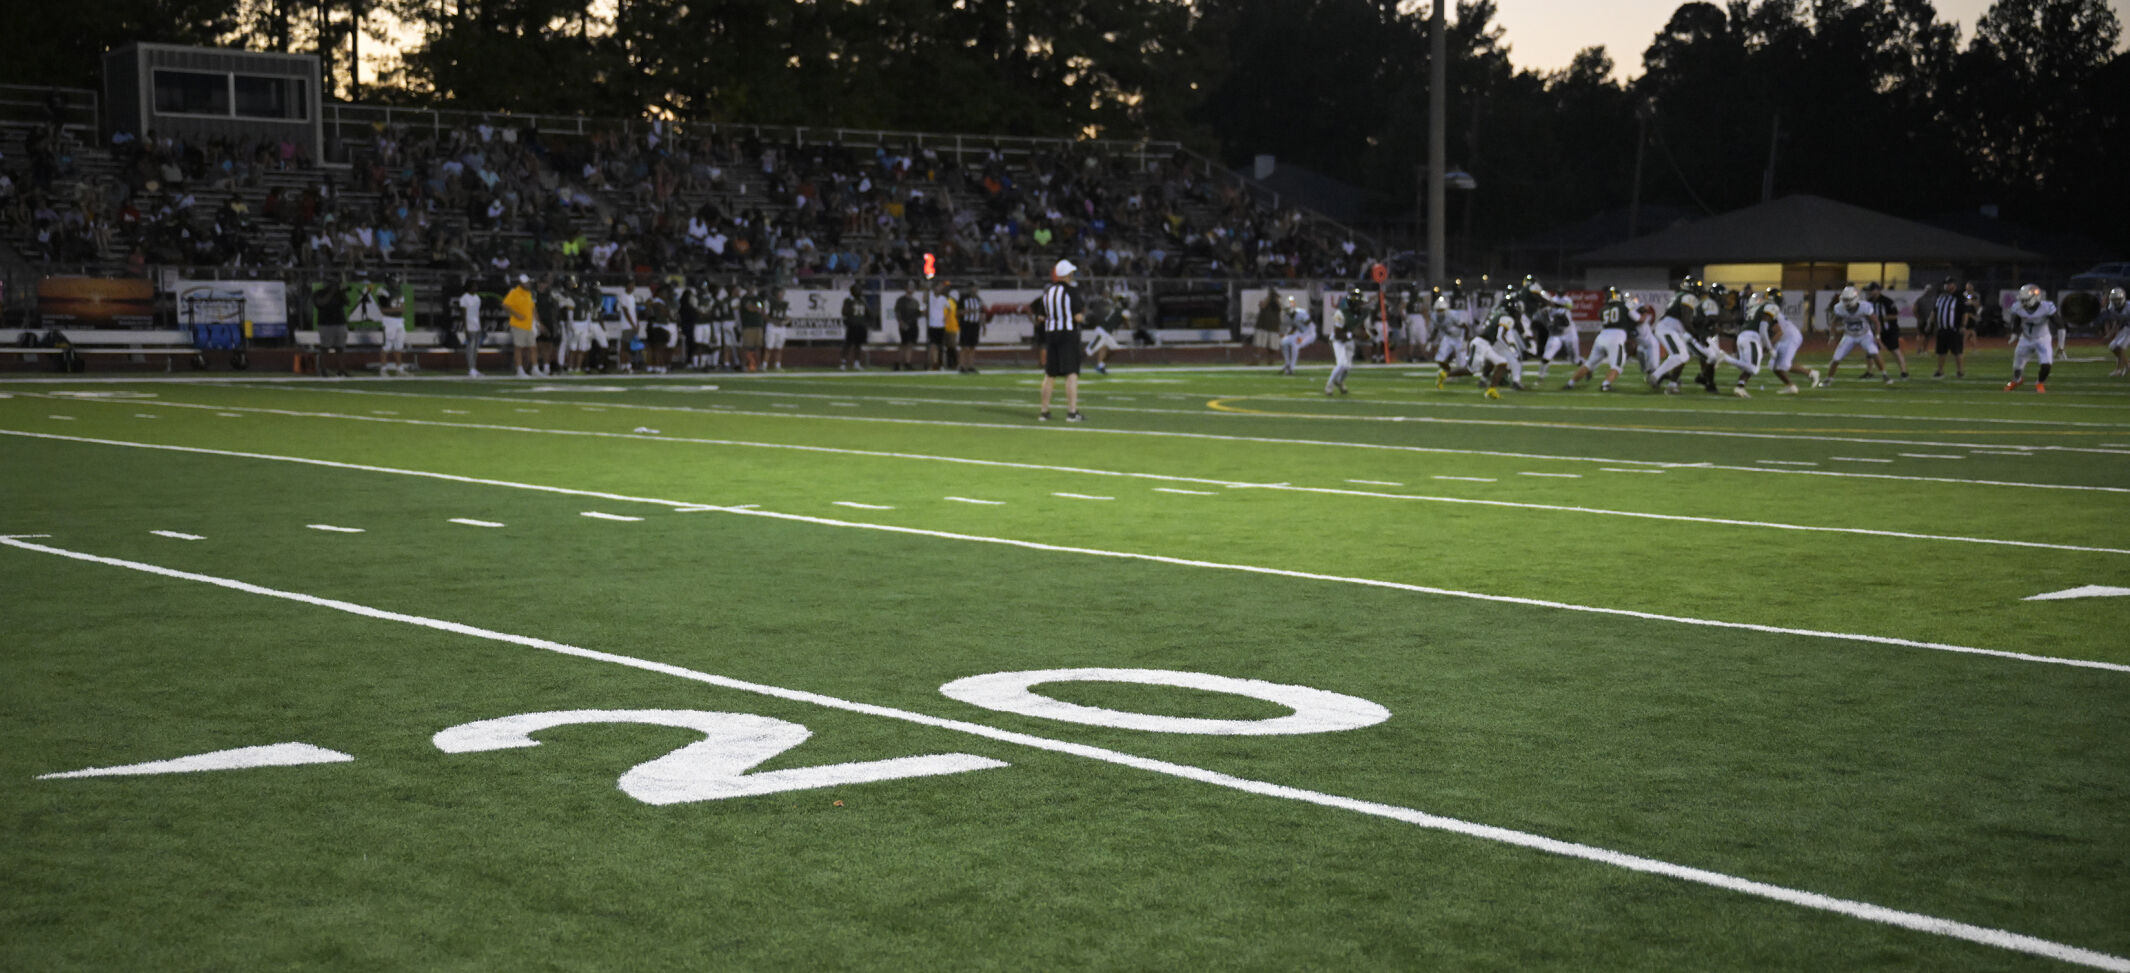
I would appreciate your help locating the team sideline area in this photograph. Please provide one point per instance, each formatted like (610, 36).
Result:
(781, 670)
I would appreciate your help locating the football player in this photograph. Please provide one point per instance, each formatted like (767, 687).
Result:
(1708, 344)
(1889, 326)
(1672, 341)
(1452, 342)
(2114, 322)
(1776, 335)
(1610, 349)
(1552, 325)
(1415, 307)
(1858, 319)
(2030, 319)
(1497, 348)
(1300, 333)
(1351, 321)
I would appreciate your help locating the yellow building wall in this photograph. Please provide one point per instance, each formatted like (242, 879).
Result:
(1741, 276)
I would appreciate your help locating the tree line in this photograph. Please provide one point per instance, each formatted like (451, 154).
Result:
(1880, 103)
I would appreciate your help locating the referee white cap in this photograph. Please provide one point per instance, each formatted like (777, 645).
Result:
(1063, 269)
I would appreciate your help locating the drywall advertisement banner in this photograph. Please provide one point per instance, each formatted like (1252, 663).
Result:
(263, 303)
(814, 315)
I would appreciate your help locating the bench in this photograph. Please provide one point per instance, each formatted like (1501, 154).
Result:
(136, 345)
(421, 343)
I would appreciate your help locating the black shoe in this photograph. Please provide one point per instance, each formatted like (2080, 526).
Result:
(1043, 416)
(1075, 417)
(343, 373)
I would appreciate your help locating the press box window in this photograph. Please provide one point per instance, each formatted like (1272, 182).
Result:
(191, 93)
(278, 98)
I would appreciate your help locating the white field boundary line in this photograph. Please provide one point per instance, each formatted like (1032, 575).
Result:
(1422, 420)
(1272, 440)
(753, 510)
(1869, 912)
(1388, 447)
(1301, 442)
(1229, 484)
(1098, 394)
(958, 424)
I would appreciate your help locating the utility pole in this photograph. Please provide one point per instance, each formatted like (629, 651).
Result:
(1437, 148)
(1767, 179)
(1634, 194)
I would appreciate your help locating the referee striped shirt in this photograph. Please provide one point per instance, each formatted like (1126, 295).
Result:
(1946, 311)
(1055, 309)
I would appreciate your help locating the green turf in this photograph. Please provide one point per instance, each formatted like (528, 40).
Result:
(1980, 789)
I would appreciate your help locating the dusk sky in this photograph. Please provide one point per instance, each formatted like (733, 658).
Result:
(1544, 35)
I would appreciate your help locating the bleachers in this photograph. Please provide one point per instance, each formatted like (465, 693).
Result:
(946, 202)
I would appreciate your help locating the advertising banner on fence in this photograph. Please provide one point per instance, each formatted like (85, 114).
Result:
(95, 303)
(814, 315)
(264, 303)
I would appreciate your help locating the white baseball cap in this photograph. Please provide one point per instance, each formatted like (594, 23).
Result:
(524, 279)
(1063, 269)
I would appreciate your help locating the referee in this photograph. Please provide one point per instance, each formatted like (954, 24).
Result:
(1057, 317)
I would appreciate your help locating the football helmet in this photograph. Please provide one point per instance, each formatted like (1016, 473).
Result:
(1612, 294)
(2030, 296)
(1442, 304)
(1850, 296)
(2115, 297)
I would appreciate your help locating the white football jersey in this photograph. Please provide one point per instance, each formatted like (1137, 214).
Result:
(2031, 322)
(1854, 319)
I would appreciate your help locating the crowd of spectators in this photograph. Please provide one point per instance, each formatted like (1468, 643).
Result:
(487, 199)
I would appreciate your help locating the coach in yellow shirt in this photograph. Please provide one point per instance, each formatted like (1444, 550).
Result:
(519, 302)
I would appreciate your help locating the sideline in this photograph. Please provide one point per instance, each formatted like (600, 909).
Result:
(1170, 478)
(1220, 437)
(1917, 922)
(751, 510)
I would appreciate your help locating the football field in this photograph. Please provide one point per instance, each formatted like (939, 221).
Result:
(876, 671)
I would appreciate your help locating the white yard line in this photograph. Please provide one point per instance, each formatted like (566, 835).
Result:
(1564, 476)
(178, 535)
(596, 515)
(1080, 496)
(751, 510)
(474, 523)
(988, 503)
(1933, 925)
(1622, 469)
(331, 529)
(1515, 504)
(1785, 462)
(1858, 459)
(861, 506)
(1933, 455)
(1388, 483)
(1194, 493)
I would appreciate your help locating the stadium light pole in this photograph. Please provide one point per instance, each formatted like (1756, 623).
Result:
(1437, 151)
